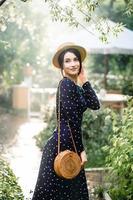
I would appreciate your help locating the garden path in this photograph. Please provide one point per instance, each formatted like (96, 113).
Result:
(24, 156)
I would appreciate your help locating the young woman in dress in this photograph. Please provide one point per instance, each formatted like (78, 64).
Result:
(74, 100)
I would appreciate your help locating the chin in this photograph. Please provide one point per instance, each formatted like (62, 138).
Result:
(74, 74)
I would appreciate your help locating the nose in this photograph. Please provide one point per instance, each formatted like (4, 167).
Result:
(73, 63)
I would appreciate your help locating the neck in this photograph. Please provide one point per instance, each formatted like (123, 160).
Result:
(73, 78)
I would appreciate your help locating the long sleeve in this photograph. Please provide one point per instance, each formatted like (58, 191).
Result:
(90, 96)
(70, 104)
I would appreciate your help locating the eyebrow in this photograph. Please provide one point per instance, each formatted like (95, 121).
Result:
(70, 58)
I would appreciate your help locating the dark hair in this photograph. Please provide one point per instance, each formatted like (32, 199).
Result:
(72, 50)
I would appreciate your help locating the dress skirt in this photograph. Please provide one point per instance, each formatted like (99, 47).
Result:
(50, 186)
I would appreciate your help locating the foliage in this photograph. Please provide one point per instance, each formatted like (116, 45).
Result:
(98, 192)
(23, 43)
(5, 99)
(9, 188)
(120, 157)
(123, 85)
(119, 69)
(44, 135)
(81, 13)
(14, 45)
(127, 86)
(117, 64)
(20, 43)
(97, 126)
(117, 11)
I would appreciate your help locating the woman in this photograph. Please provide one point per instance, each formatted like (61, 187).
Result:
(74, 100)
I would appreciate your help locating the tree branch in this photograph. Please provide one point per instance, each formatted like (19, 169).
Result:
(2, 2)
(112, 3)
(126, 1)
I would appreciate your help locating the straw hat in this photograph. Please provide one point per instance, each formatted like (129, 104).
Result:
(66, 46)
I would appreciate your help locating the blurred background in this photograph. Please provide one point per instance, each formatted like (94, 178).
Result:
(30, 32)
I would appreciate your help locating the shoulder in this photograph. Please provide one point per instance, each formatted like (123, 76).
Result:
(67, 85)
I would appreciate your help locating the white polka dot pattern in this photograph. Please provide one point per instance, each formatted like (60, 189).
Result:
(74, 101)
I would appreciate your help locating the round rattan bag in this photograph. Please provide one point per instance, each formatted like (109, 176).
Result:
(67, 164)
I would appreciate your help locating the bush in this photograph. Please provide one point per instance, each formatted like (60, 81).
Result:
(115, 83)
(120, 157)
(6, 99)
(44, 135)
(127, 87)
(97, 126)
(9, 188)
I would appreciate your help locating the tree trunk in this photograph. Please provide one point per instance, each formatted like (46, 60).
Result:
(106, 65)
(111, 3)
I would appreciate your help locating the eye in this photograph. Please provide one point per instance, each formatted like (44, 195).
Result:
(76, 59)
(67, 60)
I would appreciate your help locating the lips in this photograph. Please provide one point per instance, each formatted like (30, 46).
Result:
(74, 69)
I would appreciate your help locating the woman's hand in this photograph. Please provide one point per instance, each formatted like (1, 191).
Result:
(82, 76)
(83, 157)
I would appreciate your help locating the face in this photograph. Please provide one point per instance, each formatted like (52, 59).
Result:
(71, 64)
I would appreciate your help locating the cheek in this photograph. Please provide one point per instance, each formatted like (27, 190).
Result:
(66, 65)
(66, 70)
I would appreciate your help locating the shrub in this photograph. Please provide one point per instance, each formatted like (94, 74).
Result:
(44, 135)
(127, 87)
(120, 157)
(9, 188)
(97, 126)
(6, 99)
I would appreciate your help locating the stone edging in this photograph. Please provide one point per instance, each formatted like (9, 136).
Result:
(106, 196)
(96, 177)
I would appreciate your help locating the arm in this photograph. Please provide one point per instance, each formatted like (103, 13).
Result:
(90, 96)
(69, 103)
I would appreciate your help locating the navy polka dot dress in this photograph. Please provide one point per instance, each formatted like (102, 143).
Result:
(74, 100)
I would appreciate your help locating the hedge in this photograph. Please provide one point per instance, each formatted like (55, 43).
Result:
(9, 187)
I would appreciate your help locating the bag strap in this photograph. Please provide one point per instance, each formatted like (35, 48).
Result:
(58, 122)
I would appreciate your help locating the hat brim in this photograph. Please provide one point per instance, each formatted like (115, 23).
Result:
(81, 50)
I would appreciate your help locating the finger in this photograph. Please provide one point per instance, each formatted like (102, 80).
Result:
(82, 165)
